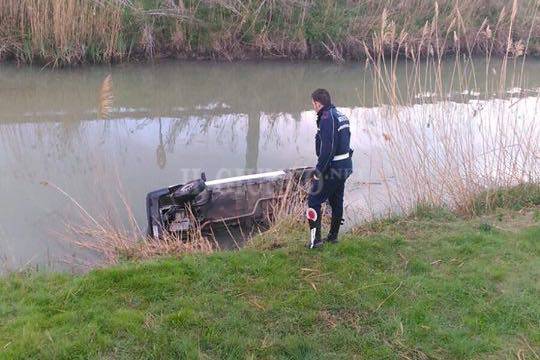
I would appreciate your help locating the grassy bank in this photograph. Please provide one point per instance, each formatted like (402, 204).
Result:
(428, 286)
(79, 31)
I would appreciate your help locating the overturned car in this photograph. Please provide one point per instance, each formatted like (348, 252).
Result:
(181, 208)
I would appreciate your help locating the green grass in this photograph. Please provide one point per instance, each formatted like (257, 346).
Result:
(514, 197)
(414, 288)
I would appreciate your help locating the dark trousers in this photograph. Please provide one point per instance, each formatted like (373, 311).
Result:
(329, 188)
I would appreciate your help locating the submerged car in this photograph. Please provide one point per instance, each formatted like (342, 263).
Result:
(181, 208)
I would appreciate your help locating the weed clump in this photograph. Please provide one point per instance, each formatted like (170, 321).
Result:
(513, 198)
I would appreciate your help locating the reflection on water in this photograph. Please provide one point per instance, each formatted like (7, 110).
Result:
(168, 124)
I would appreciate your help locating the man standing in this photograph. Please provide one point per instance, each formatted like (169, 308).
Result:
(334, 166)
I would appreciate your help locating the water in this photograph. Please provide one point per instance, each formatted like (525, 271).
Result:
(169, 122)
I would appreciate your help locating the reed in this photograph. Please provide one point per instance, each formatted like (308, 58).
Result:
(112, 243)
(290, 204)
(63, 32)
(444, 141)
(114, 235)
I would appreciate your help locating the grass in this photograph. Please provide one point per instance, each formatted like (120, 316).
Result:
(425, 286)
(68, 32)
(515, 197)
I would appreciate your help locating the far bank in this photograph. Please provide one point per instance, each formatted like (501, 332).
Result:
(58, 33)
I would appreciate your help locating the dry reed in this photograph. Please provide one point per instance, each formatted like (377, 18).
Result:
(111, 239)
(452, 145)
(60, 32)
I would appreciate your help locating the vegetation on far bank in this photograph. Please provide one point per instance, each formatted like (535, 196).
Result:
(79, 31)
(431, 285)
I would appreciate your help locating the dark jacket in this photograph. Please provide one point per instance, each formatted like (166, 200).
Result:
(332, 139)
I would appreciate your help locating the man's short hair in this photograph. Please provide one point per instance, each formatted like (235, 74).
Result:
(322, 96)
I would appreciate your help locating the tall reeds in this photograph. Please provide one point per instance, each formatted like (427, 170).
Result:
(455, 143)
(63, 32)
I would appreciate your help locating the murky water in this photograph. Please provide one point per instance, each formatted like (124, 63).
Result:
(169, 122)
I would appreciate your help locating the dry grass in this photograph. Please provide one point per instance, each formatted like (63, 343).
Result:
(451, 146)
(114, 243)
(61, 32)
(285, 215)
(290, 205)
(111, 239)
